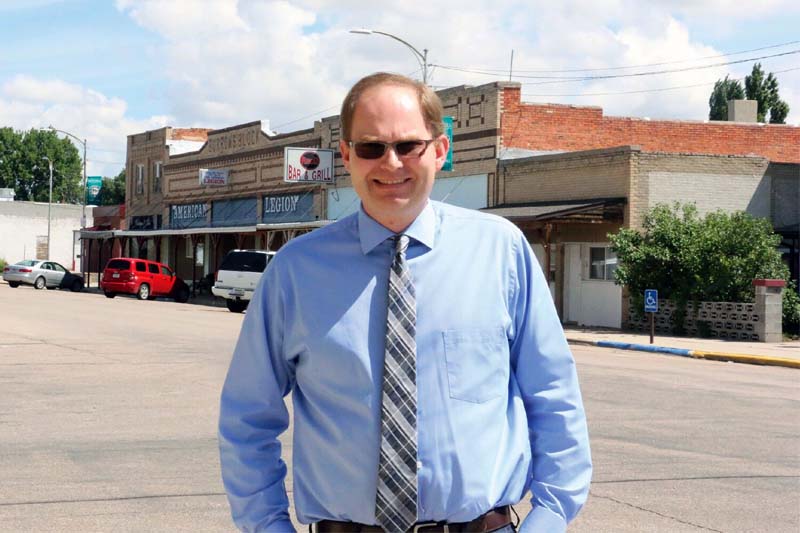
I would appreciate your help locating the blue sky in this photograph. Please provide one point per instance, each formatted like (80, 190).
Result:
(107, 69)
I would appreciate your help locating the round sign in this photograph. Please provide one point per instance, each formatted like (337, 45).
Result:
(309, 160)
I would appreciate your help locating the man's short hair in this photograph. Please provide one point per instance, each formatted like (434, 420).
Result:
(429, 102)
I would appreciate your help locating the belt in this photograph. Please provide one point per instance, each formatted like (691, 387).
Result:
(493, 520)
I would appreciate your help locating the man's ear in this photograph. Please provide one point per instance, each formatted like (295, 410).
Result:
(345, 149)
(442, 146)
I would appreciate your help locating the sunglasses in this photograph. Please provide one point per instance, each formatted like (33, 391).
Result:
(376, 149)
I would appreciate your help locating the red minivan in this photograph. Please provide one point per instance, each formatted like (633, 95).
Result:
(146, 279)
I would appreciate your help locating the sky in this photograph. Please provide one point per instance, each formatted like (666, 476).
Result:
(103, 70)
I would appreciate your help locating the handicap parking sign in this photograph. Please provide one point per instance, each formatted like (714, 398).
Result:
(651, 301)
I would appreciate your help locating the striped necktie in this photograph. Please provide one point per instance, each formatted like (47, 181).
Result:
(396, 501)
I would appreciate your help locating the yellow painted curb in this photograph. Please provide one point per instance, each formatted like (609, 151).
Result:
(750, 359)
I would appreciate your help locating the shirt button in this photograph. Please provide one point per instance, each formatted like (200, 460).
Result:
(419, 465)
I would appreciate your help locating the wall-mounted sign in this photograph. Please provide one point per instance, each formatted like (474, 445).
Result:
(307, 164)
(141, 223)
(288, 208)
(214, 176)
(448, 130)
(235, 212)
(188, 215)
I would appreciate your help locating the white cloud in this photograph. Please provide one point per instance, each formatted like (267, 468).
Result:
(227, 62)
(286, 60)
(27, 102)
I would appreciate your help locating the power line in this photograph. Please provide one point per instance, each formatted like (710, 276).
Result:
(543, 71)
(661, 89)
(563, 79)
(105, 162)
(314, 114)
(93, 149)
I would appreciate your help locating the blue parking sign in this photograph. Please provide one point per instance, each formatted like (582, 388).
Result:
(651, 301)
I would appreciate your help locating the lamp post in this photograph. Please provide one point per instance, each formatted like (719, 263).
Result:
(422, 57)
(49, 204)
(83, 200)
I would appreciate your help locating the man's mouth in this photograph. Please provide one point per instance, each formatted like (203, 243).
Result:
(384, 181)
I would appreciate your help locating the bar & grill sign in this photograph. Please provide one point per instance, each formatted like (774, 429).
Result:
(307, 164)
(214, 176)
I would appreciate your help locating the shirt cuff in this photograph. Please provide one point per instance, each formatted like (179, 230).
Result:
(542, 520)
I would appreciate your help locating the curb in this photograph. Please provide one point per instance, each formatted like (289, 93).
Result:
(695, 354)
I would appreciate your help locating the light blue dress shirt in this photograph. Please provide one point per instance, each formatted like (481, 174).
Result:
(499, 411)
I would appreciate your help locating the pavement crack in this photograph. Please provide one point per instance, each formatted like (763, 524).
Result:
(693, 478)
(119, 499)
(639, 508)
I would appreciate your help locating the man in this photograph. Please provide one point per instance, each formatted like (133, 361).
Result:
(430, 378)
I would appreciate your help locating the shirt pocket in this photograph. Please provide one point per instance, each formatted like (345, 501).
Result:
(477, 363)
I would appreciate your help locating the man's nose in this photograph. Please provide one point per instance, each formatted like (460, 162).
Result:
(391, 159)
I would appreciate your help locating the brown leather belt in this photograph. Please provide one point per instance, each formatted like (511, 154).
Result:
(493, 520)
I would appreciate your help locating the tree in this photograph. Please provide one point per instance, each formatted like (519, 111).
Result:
(765, 91)
(113, 190)
(689, 258)
(23, 169)
(724, 90)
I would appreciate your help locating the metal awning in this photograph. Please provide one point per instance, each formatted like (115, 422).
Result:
(96, 234)
(293, 225)
(590, 211)
(108, 234)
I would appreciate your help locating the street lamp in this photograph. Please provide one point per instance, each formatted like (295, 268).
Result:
(83, 200)
(49, 204)
(422, 57)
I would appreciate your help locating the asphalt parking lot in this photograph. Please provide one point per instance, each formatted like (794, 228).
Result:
(108, 423)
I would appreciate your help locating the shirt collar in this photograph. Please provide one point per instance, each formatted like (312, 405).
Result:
(372, 233)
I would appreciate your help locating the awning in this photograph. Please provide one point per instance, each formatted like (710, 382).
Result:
(108, 234)
(593, 210)
(294, 225)
(96, 234)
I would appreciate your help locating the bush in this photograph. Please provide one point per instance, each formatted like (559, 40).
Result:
(689, 258)
(2, 264)
(791, 309)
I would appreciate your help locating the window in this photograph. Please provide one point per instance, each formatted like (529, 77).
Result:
(244, 262)
(119, 264)
(166, 271)
(139, 179)
(152, 268)
(157, 176)
(140, 267)
(603, 263)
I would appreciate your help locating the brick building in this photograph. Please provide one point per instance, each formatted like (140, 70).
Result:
(567, 175)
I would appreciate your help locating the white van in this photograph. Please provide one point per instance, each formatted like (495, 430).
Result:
(238, 275)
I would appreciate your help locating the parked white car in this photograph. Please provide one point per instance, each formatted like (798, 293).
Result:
(238, 275)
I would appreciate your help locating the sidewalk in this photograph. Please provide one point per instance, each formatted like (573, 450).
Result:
(786, 354)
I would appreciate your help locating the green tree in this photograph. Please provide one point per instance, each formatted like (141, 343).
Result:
(724, 90)
(765, 91)
(23, 169)
(113, 190)
(692, 258)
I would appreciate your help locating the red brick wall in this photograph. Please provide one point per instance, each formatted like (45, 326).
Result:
(190, 134)
(565, 127)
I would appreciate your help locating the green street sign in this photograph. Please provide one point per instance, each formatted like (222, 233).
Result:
(448, 130)
(93, 186)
